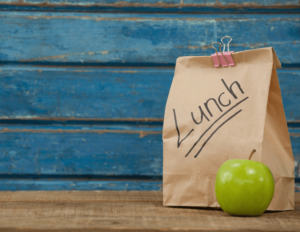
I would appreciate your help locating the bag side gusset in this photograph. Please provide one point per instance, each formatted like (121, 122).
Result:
(277, 151)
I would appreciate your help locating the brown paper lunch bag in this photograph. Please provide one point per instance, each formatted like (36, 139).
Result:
(216, 114)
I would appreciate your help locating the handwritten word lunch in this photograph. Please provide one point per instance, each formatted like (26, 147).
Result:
(206, 113)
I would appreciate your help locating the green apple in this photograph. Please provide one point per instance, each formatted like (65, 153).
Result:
(244, 187)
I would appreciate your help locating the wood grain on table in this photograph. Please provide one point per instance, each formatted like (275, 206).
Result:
(126, 211)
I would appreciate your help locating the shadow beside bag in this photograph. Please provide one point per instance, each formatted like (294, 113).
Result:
(216, 114)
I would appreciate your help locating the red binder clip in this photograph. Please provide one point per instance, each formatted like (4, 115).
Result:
(222, 58)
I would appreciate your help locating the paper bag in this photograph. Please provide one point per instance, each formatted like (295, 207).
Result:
(216, 114)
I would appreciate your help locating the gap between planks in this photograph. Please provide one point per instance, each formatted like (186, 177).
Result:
(80, 196)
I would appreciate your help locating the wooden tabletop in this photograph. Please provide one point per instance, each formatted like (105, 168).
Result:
(125, 211)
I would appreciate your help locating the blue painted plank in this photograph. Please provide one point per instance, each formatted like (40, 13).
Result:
(90, 150)
(289, 80)
(295, 140)
(265, 6)
(99, 93)
(140, 39)
(95, 150)
(83, 93)
(68, 185)
(142, 130)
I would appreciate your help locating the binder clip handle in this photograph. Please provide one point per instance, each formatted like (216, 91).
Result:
(227, 43)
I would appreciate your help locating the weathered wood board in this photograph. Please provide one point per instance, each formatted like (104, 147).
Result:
(87, 151)
(199, 6)
(83, 184)
(140, 39)
(100, 93)
(126, 211)
(84, 93)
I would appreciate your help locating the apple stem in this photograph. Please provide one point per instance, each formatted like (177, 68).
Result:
(252, 154)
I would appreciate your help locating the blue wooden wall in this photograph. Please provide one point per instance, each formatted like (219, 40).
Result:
(84, 83)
